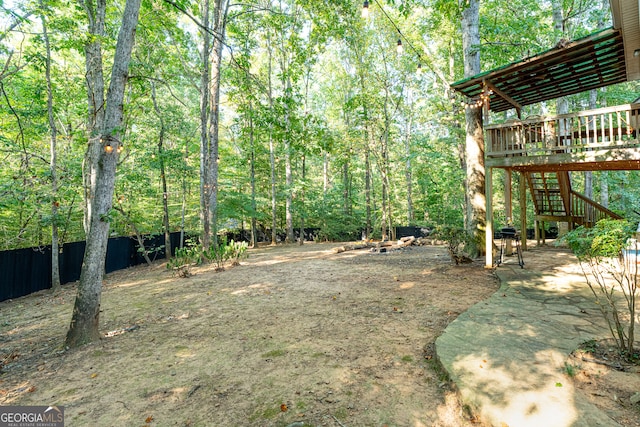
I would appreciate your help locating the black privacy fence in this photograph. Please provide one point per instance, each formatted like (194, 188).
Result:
(24, 271)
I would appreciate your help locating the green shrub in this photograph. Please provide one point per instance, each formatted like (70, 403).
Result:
(459, 242)
(185, 258)
(238, 251)
(601, 252)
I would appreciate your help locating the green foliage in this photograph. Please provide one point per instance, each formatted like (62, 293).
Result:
(606, 239)
(571, 370)
(237, 252)
(459, 241)
(185, 258)
(338, 228)
(193, 254)
(610, 269)
(218, 253)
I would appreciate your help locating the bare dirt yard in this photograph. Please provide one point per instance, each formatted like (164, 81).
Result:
(295, 336)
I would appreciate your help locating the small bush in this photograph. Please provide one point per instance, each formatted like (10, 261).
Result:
(218, 253)
(459, 242)
(184, 259)
(237, 252)
(609, 270)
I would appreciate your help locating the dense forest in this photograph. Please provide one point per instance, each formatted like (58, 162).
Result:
(277, 114)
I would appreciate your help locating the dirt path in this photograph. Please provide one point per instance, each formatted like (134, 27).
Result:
(294, 336)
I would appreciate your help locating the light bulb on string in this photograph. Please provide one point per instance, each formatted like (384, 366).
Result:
(419, 69)
(365, 9)
(400, 48)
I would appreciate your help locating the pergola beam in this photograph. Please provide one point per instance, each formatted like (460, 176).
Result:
(504, 96)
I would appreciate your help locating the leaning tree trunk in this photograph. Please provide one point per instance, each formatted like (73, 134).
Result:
(136, 231)
(474, 141)
(84, 326)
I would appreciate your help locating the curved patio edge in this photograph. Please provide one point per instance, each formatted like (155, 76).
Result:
(507, 354)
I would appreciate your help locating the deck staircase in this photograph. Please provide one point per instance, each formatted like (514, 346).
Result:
(555, 200)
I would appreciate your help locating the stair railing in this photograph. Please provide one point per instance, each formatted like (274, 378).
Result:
(587, 212)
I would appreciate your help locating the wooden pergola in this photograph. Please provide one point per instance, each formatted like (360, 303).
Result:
(544, 149)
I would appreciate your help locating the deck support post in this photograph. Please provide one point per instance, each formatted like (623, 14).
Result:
(488, 187)
(508, 205)
(523, 211)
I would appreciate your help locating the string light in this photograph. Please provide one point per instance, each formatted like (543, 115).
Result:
(109, 147)
(478, 102)
(365, 9)
(400, 45)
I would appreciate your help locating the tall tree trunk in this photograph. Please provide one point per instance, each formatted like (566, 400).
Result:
(560, 31)
(183, 208)
(304, 170)
(220, 11)
(272, 149)
(367, 187)
(346, 209)
(287, 165)
(588, 175)
(367, 157)
(205, 81)
(407, 171)
(55, 250)
(274, 196)
(593, 98)
(474, 141)
(84, 326)
(325, 172)
(254, 205)
(163, 175)
(96, 12)
(288, 206)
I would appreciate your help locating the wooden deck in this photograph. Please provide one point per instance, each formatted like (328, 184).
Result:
(601, 139)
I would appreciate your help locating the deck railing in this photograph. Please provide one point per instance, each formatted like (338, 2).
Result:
(603, 128)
